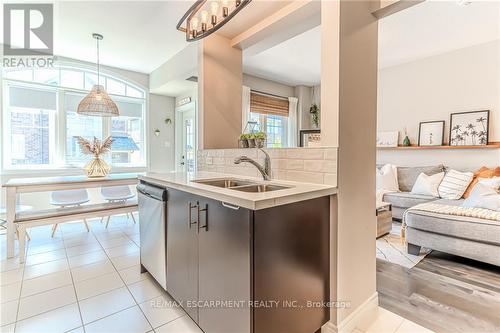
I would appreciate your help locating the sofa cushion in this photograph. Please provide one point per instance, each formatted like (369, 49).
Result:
(408, 175)
(471, 228)
(406, 199)
(483, 172)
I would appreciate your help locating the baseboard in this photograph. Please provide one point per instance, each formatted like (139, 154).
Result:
(361, 318)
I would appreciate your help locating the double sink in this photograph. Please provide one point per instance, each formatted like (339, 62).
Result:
(241, 185)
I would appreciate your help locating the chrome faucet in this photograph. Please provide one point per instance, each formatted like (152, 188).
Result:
(264, 170)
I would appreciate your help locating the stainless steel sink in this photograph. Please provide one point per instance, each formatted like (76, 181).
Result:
(241, 185)
(226, 183)
(260, 188)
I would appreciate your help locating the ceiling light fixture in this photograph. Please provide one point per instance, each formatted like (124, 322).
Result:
(98, 102)
(206, 17)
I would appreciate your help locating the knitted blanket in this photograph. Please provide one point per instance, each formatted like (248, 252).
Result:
(474, 212)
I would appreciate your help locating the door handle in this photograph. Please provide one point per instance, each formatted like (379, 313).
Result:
(206, 218)
(229, 206)
(190, 218)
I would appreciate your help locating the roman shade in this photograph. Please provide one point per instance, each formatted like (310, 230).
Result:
(266, 104)
(32, 98)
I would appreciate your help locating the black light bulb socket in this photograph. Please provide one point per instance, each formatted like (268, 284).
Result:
(214, 19)
(225, 11)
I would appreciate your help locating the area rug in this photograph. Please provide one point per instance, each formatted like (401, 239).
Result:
(389, 248)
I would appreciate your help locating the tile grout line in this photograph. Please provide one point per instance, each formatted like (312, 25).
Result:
(126, 286)
(74, 287)
(22, 282)
(73, 282)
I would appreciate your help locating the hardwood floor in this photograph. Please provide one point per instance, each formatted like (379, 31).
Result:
(444, 293)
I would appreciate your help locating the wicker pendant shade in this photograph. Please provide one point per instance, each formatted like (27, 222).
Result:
(98, 102)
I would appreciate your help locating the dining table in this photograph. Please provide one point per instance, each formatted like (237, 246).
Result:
(16, 186)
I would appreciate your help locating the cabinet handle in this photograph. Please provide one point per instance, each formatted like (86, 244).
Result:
(206, 218)
(190, 207)
(229, 206)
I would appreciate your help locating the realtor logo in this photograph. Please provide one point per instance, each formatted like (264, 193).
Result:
(28, 29)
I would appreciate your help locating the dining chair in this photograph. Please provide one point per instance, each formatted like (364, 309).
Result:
(69, 198)
(19, 208)
(117, 194)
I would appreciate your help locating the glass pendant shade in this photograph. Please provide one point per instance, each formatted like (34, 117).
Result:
(98, 103)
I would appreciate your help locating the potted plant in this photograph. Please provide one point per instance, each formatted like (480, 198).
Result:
(314, 111)
(260, 139)
(96, 167)
(251, 140)
(243, 141)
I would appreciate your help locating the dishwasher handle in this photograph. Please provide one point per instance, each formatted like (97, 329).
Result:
(152, 191)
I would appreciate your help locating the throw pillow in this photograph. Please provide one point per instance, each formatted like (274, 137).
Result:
(387, 178)
(483, 172)
(408, 175)
(483, 196)
(493, 182)
(454, 184)
(428, 185)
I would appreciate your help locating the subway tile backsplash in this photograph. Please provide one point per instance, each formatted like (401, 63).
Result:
(310, 165)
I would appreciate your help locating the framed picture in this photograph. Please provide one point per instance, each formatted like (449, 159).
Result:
(469, 128)
(431, 133)
(310, 138)
(387, 139)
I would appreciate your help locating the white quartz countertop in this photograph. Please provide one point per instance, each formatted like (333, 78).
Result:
(185, 182)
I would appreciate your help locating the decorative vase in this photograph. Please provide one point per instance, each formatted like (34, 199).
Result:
(406, 141)
(96, 168)
(243, 143)
(251, 143)
(259, 143)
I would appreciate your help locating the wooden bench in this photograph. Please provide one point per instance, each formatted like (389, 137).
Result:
(31, 219)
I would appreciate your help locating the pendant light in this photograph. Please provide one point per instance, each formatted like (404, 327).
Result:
(98, 102)
(211, 14)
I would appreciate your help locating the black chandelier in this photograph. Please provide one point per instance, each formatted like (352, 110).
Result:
(206, 17)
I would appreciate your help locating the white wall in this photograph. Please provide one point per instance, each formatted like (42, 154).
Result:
(306, 98)
(268, 86)
(162, 147)
(430, 89)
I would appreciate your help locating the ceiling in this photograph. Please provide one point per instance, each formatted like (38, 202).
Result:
(296, 61)
(426, 29)
(436, 27)
(138, 35)
(254, 12)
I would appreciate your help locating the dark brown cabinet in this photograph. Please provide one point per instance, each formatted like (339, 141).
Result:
(224, 244)
(182, 250)
(221, 259)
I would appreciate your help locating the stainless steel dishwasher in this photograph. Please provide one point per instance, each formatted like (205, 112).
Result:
(153, 231)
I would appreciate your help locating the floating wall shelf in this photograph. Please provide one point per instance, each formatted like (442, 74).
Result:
(491, 145)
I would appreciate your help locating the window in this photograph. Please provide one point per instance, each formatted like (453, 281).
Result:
(78, 125)
(275, 127)
(271, 115)
(41, 126)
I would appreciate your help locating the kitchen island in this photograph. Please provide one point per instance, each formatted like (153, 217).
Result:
(242, 254)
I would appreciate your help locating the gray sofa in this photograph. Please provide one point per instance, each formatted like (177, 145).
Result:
(403, 200)
(472, 238)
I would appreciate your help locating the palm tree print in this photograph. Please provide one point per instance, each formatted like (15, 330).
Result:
(472, 132)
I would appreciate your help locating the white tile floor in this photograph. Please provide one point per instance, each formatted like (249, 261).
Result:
(83, 282)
